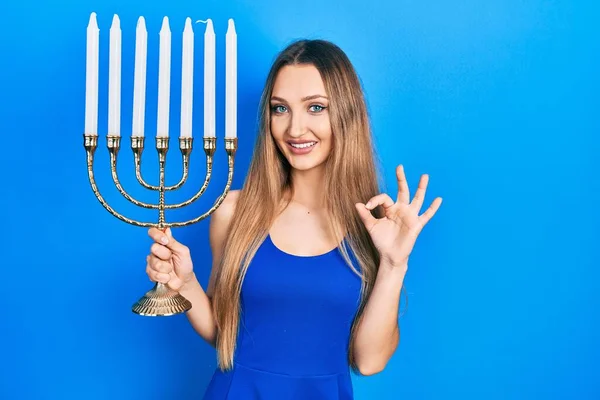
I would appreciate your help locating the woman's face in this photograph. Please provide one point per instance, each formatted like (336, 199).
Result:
(300, 117)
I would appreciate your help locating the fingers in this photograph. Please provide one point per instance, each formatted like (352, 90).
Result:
(159, 265)
(158, 236)
(175, 246)
(430, 212)
(160, 251)
(169, 260)
(166, 239)
(158, 270)
(420, 193)
(381, 199)
(365, 215)
(157, 276)
(364, 209)
(158, 248)
(403, 191)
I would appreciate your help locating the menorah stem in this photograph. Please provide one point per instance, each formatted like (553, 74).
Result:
(161, 196)
(161, 300)
(162, 146)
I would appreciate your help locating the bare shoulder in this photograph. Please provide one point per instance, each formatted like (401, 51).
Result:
(218, 226)
(222, 215)
(220, 219)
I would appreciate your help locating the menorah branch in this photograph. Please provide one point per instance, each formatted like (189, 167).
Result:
(185, 146)
(90, 144)
(113, 143)
(209, 150)
(230, 148)
(137, 145)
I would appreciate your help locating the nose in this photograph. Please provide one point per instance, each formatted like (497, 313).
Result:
(297, 126)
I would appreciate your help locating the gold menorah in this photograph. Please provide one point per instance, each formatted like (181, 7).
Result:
(160, 300)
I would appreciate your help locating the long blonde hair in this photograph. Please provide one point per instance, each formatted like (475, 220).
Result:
(350, 177)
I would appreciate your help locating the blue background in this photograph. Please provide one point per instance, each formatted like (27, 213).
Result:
(496, 100)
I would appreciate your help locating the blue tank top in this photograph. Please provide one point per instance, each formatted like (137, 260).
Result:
(294, 331)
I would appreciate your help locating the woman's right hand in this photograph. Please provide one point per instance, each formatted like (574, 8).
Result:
(169, 261)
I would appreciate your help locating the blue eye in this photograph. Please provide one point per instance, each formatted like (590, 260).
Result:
(318, 109)
(278, 109)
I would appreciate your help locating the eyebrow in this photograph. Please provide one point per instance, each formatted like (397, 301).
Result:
(312, 97)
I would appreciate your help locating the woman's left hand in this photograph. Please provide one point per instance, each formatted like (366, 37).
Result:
(395, 234)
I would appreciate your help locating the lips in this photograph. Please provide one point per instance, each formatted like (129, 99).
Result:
(301, 150)
(300, 141)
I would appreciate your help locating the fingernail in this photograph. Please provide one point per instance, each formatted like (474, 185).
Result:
(368, 205)
(164, 240)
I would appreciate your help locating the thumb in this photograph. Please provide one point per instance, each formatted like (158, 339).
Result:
(174, 245)
(365, 215)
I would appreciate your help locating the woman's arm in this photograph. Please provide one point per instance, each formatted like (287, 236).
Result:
(378, 332)
(394, 236)
(201, 316)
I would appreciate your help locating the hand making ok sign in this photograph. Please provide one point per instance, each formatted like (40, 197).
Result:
(394, 235)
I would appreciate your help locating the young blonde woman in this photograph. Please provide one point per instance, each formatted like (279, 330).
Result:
(306, 277)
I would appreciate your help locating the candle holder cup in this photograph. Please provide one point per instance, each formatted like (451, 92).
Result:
(160, 300)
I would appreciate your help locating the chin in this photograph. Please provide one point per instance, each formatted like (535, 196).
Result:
(305, 164)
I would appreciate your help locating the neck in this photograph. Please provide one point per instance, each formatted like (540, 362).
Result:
(309, 187)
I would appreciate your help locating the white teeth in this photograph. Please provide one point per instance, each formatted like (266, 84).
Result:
(303, 145)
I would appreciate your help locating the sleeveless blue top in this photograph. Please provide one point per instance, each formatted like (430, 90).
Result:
(294, 331)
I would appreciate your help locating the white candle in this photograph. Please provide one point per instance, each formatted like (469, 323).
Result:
(187, 79)
(114, 78)
(230, 81)
(139, 82)
(164, 77)
(209, 80)
(91, 77)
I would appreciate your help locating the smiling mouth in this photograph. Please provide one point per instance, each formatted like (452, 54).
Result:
(302, 145)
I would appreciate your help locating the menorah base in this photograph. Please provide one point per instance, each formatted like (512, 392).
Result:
(161, 301)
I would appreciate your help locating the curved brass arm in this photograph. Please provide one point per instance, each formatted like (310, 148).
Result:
(90, 144)
(113, 142)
